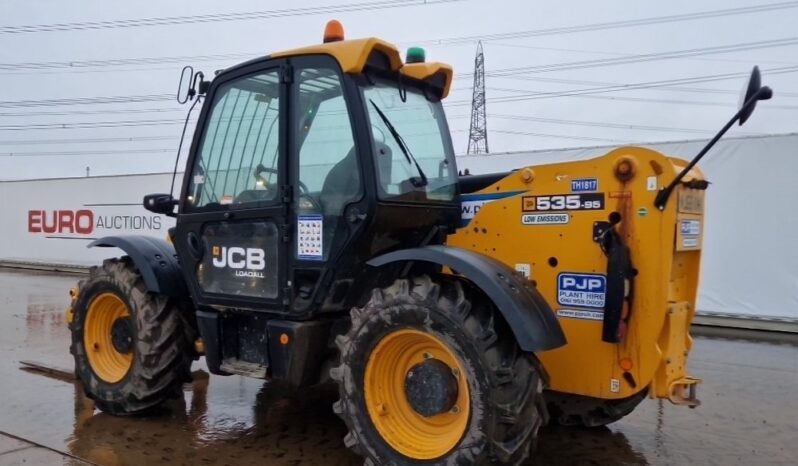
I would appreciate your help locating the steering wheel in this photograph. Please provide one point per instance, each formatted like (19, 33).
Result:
(304, 192)
(261, 169)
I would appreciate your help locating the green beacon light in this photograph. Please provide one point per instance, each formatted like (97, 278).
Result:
(415, 55)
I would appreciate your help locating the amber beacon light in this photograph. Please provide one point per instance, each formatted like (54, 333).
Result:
(334, 31)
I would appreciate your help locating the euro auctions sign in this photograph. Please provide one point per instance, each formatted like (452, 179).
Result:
(52, 221)
(90, 222)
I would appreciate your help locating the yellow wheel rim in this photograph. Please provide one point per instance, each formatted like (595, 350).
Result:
(405, 430)
(107, 363)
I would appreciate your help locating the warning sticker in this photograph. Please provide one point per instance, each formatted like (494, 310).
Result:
(615, 385)
(310, 239)
(545, 219)
(690, 227)
(580, 314)
(581, 290)
(651, 183)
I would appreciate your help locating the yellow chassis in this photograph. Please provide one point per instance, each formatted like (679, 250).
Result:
(665, 251)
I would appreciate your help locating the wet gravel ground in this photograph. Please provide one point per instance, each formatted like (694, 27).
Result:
(749, 413)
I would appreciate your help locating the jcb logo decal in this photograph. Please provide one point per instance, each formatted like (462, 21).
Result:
(239, 258)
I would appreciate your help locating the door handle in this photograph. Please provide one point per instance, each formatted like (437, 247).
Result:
(354, 215)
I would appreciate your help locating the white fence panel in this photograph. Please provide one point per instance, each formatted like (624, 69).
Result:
(52, 221)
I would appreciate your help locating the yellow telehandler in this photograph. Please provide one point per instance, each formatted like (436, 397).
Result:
(323, 234)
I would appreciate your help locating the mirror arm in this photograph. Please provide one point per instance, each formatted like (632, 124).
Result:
(662, 196)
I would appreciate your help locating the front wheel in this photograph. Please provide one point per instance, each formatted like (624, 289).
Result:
(133, 349)
(429, 372)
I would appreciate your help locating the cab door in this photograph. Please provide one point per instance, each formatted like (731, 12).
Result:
(326, 170)
(231, 226)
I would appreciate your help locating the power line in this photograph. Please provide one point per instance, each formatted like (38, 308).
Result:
(605, 124)
(667, 101)
(105, 69)
(608, 88)
(769, 106)
(194, 19)
(701, 90)
(628, 87)
(549, 135)
(640, 58)
(619, 54)
(91, 112)
(614, 24)
(580, 82)
(78, 64)
(597, 124)
(25, 142)
(89, 124)
(90, 152)
(728, 104)
(84, 101)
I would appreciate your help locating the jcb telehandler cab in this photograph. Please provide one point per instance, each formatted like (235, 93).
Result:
(322, 231)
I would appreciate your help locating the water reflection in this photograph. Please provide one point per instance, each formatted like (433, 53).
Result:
(748, 415)
(286, 427)
(44, 318)
(583, 446)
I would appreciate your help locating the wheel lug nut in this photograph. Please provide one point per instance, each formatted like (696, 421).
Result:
(456, 372)
(455, 409)
(427, 355)
(382, 410)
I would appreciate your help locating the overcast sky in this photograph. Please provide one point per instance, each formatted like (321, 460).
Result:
(144, 124)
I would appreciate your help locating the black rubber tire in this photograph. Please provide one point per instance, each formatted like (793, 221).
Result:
(506, 384)
(163, 342)
(568, 409)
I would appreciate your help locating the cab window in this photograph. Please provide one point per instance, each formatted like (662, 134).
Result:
(329, 173)
(412, 150)
(237, 162)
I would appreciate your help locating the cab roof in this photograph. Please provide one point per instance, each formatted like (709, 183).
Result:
(354, 55)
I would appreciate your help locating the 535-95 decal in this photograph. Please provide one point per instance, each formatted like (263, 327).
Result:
(582, 201)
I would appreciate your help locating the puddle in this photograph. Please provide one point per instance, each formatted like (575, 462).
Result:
(748, 416)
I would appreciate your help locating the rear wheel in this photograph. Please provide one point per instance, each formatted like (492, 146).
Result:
(430, 373)
(132, 348)
(568, 409)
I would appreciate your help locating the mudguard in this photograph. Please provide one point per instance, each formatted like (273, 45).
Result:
(155, 259)
(530, 317)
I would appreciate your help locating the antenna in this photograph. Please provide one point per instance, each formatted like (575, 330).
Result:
(478, 134)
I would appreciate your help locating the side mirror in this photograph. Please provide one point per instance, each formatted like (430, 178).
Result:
(184, 86)
(191, 84)
(163, 204)
(752, 92)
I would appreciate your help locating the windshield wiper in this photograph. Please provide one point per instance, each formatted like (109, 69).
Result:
(418, 183)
